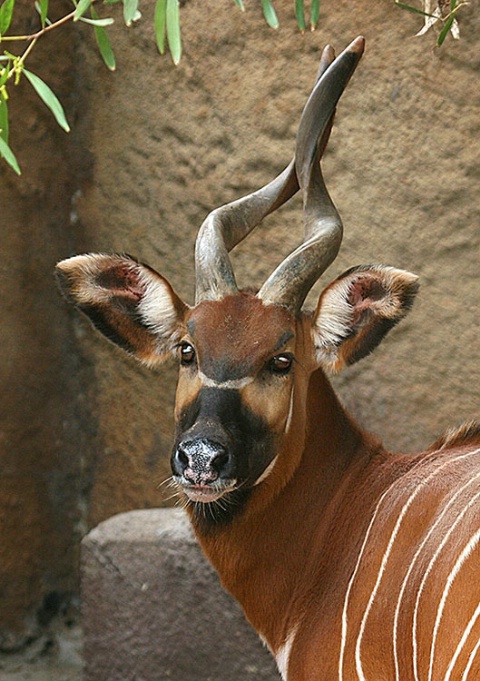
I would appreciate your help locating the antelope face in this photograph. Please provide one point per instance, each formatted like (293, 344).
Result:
(245, 360)
(237, 363)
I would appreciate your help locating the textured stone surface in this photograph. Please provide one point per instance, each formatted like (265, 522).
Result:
(153, 609)
(43, 417)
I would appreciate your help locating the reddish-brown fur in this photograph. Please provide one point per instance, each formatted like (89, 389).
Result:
(353, 563)
(289, 557)
(294, 554)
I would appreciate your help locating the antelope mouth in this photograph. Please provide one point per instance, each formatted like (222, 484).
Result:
(206, 494)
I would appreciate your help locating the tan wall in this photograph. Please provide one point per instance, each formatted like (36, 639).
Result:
(44, 423)
(156, 147)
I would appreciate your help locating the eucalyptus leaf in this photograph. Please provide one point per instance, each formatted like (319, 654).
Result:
(270, 14)
(103, 43)
(173, 30)
(445, 30)
(82, 7)
(160, 24)
(314, 14)
(9, 156)
(414, 10)
(4, 71)
(49, 98)
(300, 14)
(97, 22)
(4, 119)
(43, 5)
(130, 10)
(6, 13)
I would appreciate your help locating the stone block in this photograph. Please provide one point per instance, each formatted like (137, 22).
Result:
(154, 610)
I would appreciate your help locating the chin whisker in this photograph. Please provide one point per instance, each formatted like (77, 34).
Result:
(172, 486)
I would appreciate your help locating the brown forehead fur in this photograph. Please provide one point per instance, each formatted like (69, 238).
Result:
(237, 333)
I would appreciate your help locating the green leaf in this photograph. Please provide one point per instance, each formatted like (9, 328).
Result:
(239, 3)
(445, 30)
(97, 22)
(3, 119)
(269, 14)
(103, 43)
(173, 30)
(82, 7)
(4, 72)
(49, 98)
(414, 9)
(130, 10)
(6, 13)
(300, 14)
(9, 156)
(453, 4)
(314, 14)
(43, 6)
(160, 24)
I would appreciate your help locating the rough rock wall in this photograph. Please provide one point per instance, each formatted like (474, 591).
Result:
(44, 425)
(87, 431)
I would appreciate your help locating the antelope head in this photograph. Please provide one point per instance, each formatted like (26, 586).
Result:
(246, 359)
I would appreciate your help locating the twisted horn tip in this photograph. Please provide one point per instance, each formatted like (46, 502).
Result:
(357, 46)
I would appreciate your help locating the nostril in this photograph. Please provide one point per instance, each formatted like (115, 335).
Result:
(220, 460)
(180, 460)
(182, 457)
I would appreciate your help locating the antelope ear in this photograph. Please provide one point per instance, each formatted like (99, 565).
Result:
(130, 303)
(357, 310)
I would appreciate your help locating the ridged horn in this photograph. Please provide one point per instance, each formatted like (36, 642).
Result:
(290, 283)
(226, 226)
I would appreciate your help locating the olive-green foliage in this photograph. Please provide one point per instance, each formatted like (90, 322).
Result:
(167, 36)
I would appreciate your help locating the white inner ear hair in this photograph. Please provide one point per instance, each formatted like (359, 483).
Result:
(156, 307)
(334, 319)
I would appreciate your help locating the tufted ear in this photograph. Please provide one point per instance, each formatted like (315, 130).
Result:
(357, 310)
(130, 303)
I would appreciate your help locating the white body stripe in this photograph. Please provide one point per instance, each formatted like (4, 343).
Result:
(467, 550)
(350, 585)
(428, 571)
(386, 555)
(473, 655)
(463, 640)
(415, 560)
(282, 655)
(382, 571)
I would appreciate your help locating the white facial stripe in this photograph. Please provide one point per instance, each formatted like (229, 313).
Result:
(225, 385)
(267, 471)
(290, 411)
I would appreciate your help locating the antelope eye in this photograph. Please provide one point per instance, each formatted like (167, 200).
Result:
(186, 353)
(281, 364)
